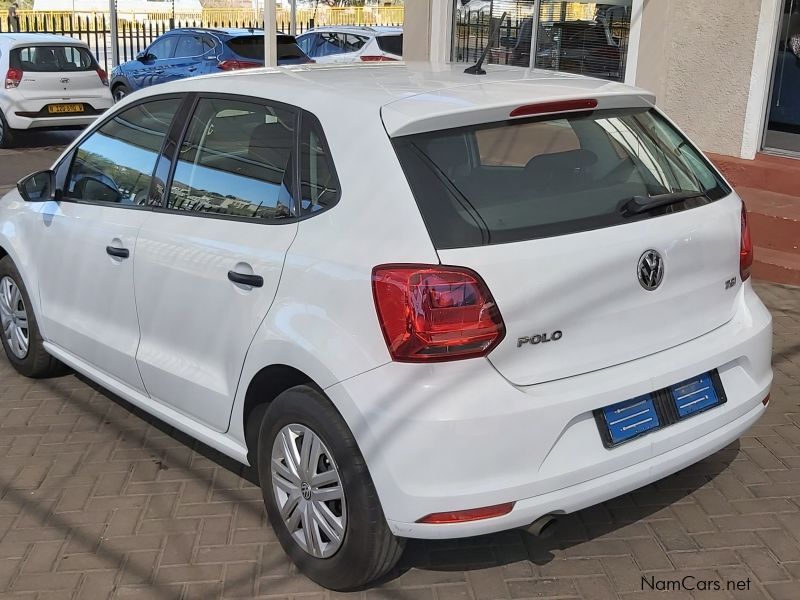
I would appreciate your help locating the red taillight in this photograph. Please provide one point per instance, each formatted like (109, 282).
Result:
(746, 248)
(473, 514)
(102, 75)
(378, 59)
(13, 77)
(554, 107)
(435, 313)
(235, 65)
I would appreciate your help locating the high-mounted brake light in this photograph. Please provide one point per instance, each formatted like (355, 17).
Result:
(558, 106)
(435, 313)
(13, 77)
(746, 253)
(235, 65)
(102, 75)
(473, 514)
(371, 58)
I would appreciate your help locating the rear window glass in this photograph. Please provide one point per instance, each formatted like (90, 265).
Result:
(252, 47)
(391, 43)
(52, 59)
(526, 179)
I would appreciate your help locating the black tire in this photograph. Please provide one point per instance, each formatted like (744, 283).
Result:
(6, 133)
(119, 91)
(37, 363)
(368, 549)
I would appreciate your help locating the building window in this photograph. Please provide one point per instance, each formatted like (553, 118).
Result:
(589, 38)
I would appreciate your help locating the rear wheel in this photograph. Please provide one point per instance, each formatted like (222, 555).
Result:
(120, 91)
(20, 333)
(319, 495)
(6, 133)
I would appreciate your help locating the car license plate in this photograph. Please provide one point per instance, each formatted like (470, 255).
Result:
(627, 420)
(57, 109)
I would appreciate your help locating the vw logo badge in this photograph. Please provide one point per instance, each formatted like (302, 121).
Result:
(305, 490)
(650, 270)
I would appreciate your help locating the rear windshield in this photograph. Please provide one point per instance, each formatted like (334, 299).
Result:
(391, 43)
(526, 179)
(252, 47)
(52, 58)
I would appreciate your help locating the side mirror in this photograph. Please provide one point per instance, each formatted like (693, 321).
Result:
(38, 187)
(143, 56)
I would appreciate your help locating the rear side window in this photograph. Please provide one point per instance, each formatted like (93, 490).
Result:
(236, 161)
(52, 59)
(526, 179)
(392, 44)
(189, 45)
(319, 185)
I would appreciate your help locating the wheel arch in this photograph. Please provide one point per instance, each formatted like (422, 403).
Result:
(266, 385)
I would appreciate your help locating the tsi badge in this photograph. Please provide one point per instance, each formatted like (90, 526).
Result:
(539, 338)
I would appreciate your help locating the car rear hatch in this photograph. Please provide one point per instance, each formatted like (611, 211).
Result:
(538, 199)
(58, 73)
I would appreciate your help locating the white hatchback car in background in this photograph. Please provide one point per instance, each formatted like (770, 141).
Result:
(532, 297)
(50, 81)
(345, 44)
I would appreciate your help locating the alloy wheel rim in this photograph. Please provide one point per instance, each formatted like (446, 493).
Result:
(119, 94)
(308, 490)
(13, 317)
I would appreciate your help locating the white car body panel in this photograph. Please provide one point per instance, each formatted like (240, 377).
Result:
(191, 358)
(88, 303)
(38, 89)
(436, 437)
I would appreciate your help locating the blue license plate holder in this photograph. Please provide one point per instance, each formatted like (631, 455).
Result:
(630, 419)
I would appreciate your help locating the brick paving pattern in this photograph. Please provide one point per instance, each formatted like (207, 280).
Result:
(98, 500)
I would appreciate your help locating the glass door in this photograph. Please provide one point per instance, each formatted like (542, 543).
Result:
(783, 122)
(589, 38)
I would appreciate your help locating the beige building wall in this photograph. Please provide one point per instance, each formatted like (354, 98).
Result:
(417, 30)
(697, 56)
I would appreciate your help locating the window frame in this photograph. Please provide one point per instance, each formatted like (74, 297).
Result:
(64, 167)
(190, 108)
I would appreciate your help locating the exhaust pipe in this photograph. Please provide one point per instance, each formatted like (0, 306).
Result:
(543, 527)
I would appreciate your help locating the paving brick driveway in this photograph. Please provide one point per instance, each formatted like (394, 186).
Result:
(98, 501)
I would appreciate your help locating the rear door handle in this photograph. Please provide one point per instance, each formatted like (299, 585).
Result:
(118, 252)
(244, 279)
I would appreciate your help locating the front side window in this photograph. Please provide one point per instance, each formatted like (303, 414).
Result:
(319, 186)
(52, 59)
(526, 179)
(236, 161)
(114, 164)
(163, 48)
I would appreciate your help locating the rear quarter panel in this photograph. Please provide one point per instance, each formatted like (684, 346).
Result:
(323, 320)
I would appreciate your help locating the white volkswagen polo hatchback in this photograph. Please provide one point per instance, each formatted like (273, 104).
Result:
(425, 304)
(51, 81)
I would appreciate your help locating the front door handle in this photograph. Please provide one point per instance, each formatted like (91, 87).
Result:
(245, 279)
(118, 252)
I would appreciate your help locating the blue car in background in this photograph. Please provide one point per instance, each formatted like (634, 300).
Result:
(184, 53)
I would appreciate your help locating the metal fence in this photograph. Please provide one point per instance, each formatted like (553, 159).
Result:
(136, 31)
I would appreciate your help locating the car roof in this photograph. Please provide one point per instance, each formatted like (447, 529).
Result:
(409, 96)
(359, 29)
(22, 39)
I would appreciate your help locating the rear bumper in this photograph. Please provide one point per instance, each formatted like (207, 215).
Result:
(455, 436)
(24, 114)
